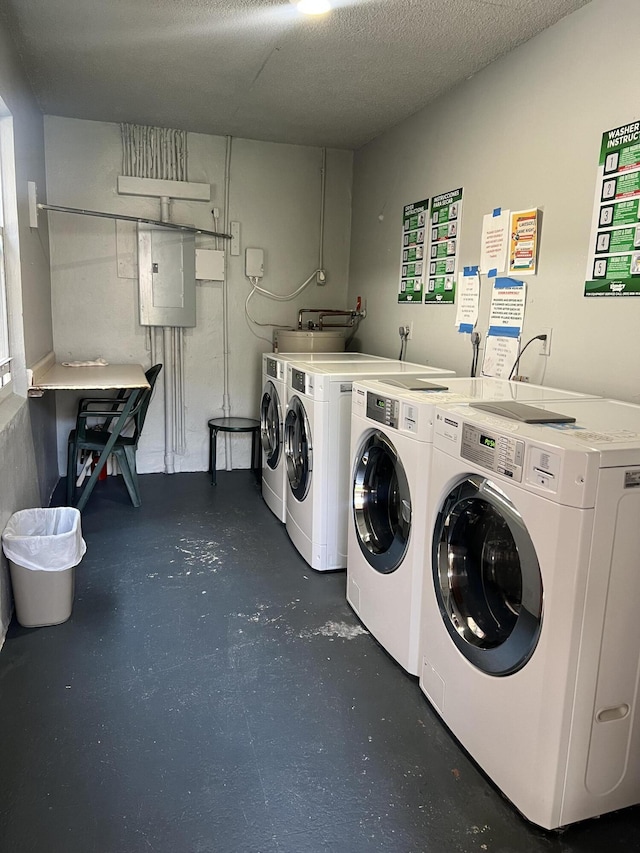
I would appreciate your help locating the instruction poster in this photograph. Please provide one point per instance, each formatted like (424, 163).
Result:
(412, 260)
(446, 215)
(523, 242)
(613, 266)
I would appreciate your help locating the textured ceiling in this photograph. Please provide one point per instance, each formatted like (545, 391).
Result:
(257, 68)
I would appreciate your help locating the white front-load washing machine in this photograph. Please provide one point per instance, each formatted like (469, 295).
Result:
(530, 642)
(272, 412)
(316, 442)
(391, 447)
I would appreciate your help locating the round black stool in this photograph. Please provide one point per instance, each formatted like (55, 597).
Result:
(217, 425)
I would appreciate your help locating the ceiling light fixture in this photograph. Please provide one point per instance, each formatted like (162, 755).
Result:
(312, 7)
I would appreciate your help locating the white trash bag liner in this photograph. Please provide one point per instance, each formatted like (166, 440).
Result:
(48, 540)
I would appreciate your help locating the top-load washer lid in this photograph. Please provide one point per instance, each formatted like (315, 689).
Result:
(466, 389)
(522, 412)
(367, 370)
(608, 428)
(298, 449)
(271, 425)
(318, 357)
(275, 363)
(487, 577)
(412, 384)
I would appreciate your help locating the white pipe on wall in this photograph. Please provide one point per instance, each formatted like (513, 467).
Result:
(181, 353)
(169, 377)
(174, 411)
(169, 460)
(178, 368)
(323, 193)
(226, 402)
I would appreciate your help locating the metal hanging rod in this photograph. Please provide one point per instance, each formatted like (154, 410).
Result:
(156, 222)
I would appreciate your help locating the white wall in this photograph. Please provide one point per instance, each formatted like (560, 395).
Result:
(275, 195)
(524, 132)
(27, 428)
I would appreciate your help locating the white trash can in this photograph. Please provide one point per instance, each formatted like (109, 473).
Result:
(43, 547)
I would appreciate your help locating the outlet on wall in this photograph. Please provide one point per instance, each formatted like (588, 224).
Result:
(545, 348)
(409, 327)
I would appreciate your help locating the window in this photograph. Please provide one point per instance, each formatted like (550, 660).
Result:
(5, 352)
(11, 344)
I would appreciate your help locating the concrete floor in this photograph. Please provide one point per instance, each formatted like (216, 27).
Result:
(212, 694)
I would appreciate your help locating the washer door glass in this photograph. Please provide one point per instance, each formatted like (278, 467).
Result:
(298, 449)
(270, 425)
(381, 504)
(487, 577)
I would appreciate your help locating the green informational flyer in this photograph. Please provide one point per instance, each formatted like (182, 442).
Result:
(412, 258)
(446, 215)
(613, 266)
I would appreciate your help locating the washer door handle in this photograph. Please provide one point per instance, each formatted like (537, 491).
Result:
(406, 511)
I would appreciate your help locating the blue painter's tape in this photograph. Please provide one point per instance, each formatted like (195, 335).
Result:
(492, 273)
(466, 327)
(471, 270)
(497, 211)
(507, 282)
(504, 331)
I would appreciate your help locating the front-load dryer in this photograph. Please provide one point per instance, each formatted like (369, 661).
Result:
(391, 448)
(272, 412)
(530, 642)
(316, 443)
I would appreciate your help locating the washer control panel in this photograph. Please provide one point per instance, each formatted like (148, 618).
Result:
(299, 381)
(384, 410)
(274, 368)
(500, 453)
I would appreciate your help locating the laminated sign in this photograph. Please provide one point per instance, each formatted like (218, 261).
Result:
(613, 266)
(412, 260)
(444, 235)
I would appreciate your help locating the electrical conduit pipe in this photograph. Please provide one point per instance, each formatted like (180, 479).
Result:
(226, 402)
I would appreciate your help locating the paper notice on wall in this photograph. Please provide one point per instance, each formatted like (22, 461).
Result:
(495, 242)
(523, 241)
(506, 317)
(613, 267)
(444, 230)
(468, 299)
(412, 260)
(500, 355)
(507, 307)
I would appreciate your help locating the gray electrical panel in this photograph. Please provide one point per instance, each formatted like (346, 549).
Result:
(167, 276)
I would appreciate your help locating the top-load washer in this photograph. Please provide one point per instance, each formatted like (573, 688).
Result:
(316, 442)
(272, 412)
(391, 447)
(530, 640)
